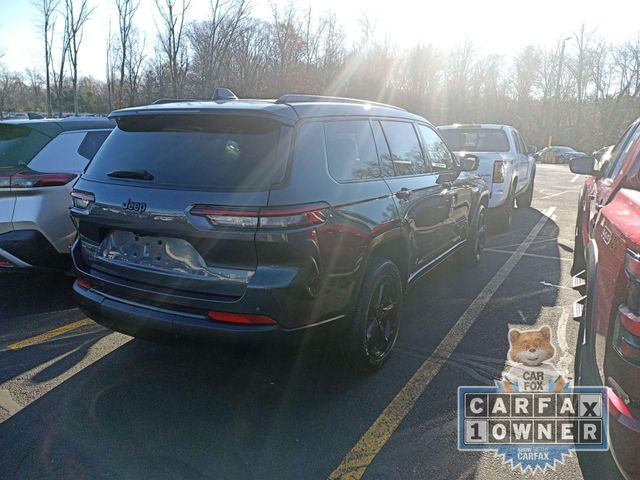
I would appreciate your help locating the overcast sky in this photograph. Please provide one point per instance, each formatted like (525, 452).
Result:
(494, 26)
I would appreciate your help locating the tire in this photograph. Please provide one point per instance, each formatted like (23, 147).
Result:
(471, 253)
(375, 323)
(525, 198)
(504, 213)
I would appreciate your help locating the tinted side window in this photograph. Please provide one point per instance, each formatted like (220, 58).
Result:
(351, 151)
(435, 149)
(91, 143)
(405, 148)
(19, 144)
(621, 151)
(383, 150)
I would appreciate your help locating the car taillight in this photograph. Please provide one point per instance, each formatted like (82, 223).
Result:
(626, 330)
(302, 216)
(286, 217)
(228, 217)
(498, 171)
(81, 199)
(31, 179)
(83, 283)
(241, 318)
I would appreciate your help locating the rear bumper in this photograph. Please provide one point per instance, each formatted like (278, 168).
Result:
(154, 323)
(30, 249)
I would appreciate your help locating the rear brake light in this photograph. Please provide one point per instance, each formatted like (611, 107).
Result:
(82, 200)
(498, 171)
(5, 263)
(241, 318)
(30, 179)
(287, 217)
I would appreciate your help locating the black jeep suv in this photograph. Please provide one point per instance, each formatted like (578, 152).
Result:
(245, 217)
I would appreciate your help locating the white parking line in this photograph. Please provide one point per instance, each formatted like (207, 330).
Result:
(22, 390)
(535, 255)
(575, 178)
(556, 194)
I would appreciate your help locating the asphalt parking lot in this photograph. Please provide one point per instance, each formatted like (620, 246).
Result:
(78, 401)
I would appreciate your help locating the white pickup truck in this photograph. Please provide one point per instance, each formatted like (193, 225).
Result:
(506, 164)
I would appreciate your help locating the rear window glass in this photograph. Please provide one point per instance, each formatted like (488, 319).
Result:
(476, 139)
(19, 144)
(351, 151)
(207, 152)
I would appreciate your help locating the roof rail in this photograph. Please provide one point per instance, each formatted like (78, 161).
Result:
(161, 101)
(298, 98)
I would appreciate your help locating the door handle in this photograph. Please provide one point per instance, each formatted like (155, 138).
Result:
(403, 194)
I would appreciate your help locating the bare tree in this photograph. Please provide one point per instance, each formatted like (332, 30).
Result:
(76, 15)
(212, 41)
(126, 37)
(135, 60)
(58, 76)
(171, 36)
(46, 9)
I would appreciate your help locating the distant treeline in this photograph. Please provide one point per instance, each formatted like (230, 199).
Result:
(583, 92)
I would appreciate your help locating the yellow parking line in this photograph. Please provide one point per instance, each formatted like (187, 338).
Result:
(43, 337)
(355, 463)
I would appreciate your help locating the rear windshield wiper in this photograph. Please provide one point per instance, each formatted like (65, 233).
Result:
(137, 174)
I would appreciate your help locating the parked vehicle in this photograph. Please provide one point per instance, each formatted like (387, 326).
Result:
(248, 218)
(560, 155)
(505, 164)
(39, 162)
(607, 258)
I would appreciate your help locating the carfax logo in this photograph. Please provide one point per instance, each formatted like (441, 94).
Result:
(532, 418)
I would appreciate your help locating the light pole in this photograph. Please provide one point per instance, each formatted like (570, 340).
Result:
(560, 65)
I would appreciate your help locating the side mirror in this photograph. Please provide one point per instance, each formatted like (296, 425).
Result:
(583, 165)
(469, 163)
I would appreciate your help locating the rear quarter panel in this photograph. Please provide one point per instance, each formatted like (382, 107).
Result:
(336, 251)
(7, 204)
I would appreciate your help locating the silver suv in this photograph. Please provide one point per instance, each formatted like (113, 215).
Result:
(506, 164)
(39, 163)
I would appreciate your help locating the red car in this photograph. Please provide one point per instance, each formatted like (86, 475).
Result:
(606, 268)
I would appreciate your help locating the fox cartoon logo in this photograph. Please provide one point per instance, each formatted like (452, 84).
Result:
(530, 351)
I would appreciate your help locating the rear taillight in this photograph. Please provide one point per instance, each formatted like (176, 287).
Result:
(241, 318)
(303, 216)
(81, 199)
(498, 171)
(626, 330)
(228, 217)
(287, 217)
(30, 179)
(83, 283)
